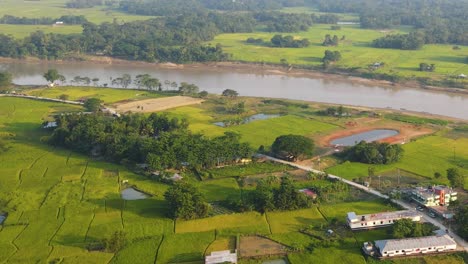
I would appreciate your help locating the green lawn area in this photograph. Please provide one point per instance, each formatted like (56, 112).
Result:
(248, 169)
(108, 95)
(293, 221)
(355, 50)
(424, 157)
(261, 132)
(340, 210)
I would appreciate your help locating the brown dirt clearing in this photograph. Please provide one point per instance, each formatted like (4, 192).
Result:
(157, 104)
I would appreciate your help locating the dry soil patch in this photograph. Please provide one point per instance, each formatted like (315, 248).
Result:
(157, 104)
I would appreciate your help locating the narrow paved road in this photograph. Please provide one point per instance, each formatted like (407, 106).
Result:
(461, 242)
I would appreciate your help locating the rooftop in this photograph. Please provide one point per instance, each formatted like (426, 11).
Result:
(383, 216)
(414, 243)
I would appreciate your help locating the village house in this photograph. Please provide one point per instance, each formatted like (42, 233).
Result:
(433, 196)
(410, 246)
(377, 220)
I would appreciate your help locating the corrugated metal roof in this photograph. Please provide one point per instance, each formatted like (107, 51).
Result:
(414, 243)
(390, 215)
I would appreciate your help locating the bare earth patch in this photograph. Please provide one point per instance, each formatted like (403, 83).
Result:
(406, 131)
(157, 104)
(255, 246)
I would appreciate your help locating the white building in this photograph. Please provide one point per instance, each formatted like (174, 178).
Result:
(416, 245)
(224, 256)
(377, 220)
(435, 196)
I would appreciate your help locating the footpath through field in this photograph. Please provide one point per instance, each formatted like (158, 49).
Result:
(461, 242)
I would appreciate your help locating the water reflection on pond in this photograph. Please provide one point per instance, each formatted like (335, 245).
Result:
(133, 194)
(368, 136)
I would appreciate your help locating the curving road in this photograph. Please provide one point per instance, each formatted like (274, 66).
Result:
(460, 241)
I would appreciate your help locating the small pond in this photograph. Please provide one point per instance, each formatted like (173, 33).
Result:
(368, 136)
(248, 119)
(2, 218)
(133, 194)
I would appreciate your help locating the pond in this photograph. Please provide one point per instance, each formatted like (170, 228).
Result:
(133, 194)
(2, 218)
(368, 136)
(248, 119)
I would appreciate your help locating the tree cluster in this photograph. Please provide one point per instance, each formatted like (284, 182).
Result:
(288, 42)
(152, 40)
(83, 3)
(160, 141)
(292, 147)
(404, 228)
(331, 56)
(411, 41)
(426, 67)
(455, 177)
(185, 201)
(284, 22)
(69, 20)
(331, 41)
(5, 81)
(285, 197)
(374, 153)
(439, 21)
(461, 218)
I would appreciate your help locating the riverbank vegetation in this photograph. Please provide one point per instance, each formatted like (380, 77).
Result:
(69, 202)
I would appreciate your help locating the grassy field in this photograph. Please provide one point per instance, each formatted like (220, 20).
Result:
(57, 8)
(107, 95)
(355, 50)
(423, 157)
(261, 132)
(21, 31)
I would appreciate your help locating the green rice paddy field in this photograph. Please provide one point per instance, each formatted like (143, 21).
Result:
(356, 51)
(58, 202)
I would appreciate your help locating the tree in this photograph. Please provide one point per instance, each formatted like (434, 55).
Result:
(331, 56)
(288, 198)
(185, 201)
(408, 228)
(5, 81)
(115, 242)
(437, 175)
(461, 217)
(293, 147)
(230, 93)
(64, 97)
(455, 177)
(203, 94)
(263, 199)
(92, 104)
(186, 88)
(52, 75)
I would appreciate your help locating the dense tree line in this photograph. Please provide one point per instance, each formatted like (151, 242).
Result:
(374, 153)
(411, 41)
(69, 20)
(404, 228)
(83, 3)
(175, 39)
(439, 21)
(172, 7)
(284, 22)
(157, 140)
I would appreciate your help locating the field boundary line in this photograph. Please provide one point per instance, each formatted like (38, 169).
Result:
(14, 244)
(83, 183)
(47, 194)
(268, 223)
(58, 229)
(157, 250)
(321, 213)
(214, 240)
(90, 223)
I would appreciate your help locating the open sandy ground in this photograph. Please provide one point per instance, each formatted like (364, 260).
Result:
(155, 105)
(406, 131)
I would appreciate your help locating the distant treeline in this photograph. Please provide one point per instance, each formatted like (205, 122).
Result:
(69, 20)
(174, 7)
(160, 141)
(439, 21)
(175, 39)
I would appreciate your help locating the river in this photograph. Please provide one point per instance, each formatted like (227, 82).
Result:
(261, 85)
